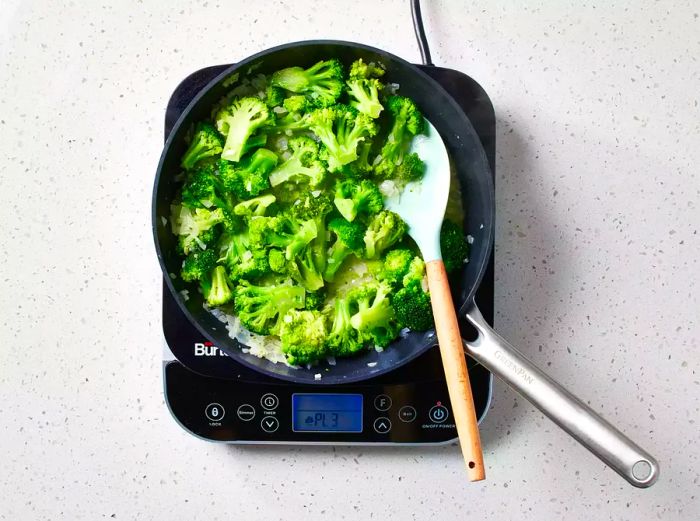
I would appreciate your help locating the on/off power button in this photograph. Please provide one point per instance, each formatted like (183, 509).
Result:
(438, 414)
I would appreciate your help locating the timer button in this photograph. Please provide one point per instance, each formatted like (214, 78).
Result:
(382, 402)
(438, 414)
(215, 412)
(382, 425)
(269, 402)
(269, 424)
(407, 414)
(246, 412)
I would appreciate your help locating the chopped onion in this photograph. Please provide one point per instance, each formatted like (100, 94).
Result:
(388, 188)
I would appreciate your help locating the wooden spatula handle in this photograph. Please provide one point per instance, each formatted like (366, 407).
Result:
(455, 366)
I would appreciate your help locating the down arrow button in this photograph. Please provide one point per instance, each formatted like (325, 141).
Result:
(269, 424)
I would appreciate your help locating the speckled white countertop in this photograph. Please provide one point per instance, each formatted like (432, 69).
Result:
(597, 247)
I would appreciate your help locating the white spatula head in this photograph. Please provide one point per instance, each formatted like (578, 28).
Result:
(422, 203)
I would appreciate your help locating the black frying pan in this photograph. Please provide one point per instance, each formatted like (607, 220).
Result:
(469, 161)
(462, 142)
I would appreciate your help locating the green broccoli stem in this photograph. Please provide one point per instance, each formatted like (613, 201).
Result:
(346, 207)
(305, 273)
(307, 233)
(341, 318)
(220, 291)
(372, 316)
(336, 256)
(197, 150)
(287, 170)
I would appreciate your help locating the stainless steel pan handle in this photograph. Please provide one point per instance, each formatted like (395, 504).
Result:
(563, 408)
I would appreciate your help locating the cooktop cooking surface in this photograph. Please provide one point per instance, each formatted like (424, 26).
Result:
(217, 399)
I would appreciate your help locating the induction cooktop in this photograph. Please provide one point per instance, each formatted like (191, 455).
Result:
(215, 398)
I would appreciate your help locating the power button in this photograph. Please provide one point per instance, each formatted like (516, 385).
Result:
(438, 414)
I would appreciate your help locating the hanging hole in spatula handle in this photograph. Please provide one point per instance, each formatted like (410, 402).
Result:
(595, 433)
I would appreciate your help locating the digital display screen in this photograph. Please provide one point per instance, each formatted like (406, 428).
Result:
(327, 412)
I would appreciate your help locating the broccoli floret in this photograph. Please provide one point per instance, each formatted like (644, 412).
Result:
(384, 230)
(232, 247)
(343, 339)
(204, 189)
(375, 319)
(206, 239)
(303, 270)
(191, 225)
(302, 164)
(411, 168)
(252, 265)
(413, 308)
(341, 129)
(293, 122)
(238, 121)
(249, 177)
(352, 198)
(303, 335)
(315, 299)
(349, 239)
(198, 264)
(296, 104)
(261, 308)
(256, 206)
(362, 70)
(217, 288)
(315, 208)
(365, 96)
(274, 96)
(322, 83)
(277, 261)
(396, 265)
(361, 168)
(282, 232)
(407, 121)
(201, 188)
(206, 142)
(415, 272)
(454, 246)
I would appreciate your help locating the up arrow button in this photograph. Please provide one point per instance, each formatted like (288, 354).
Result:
(382, 425)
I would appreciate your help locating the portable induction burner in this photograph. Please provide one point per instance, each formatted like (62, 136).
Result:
(215, 398)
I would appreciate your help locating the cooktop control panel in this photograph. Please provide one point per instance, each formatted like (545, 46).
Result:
(396, 413)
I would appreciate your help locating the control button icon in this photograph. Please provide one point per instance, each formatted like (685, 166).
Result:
(382, 425)
(407, 414)
(269, 424)
(438, 414)
(382, 402)
(246, 412)
(269, 402)
(215, 412)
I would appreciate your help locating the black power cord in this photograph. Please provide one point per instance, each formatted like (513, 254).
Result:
(420, 33)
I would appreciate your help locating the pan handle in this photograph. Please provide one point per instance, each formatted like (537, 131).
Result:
(614, 448)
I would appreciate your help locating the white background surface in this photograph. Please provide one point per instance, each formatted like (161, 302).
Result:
(597, 247)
